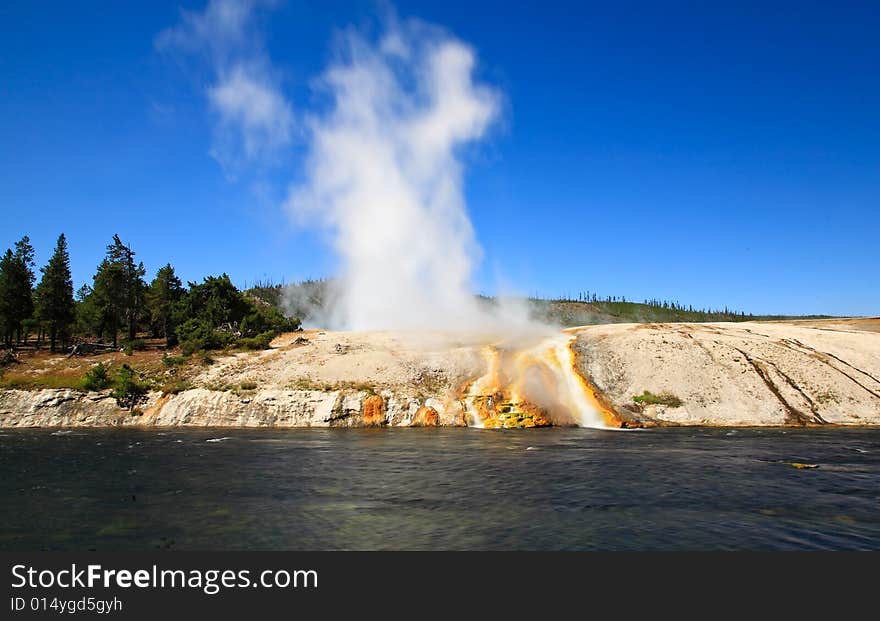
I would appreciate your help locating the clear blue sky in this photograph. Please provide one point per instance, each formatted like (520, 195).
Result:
(714, 155)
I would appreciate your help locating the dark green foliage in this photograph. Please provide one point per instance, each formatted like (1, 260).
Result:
(118, 291)
(16, 290)
(588, 309)
(265, 318)
(135, 345)
(96, 378)
(127, 389)
(55, 306)
(134, 287)
(32, 325)
(198, 334)
(87, 314)
(214, 314)
(261, 341)
(216, 301)
(194, 335)
(164, 293)
(107, 299)
(173, 361)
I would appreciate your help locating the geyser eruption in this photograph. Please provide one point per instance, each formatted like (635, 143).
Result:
(384, 176)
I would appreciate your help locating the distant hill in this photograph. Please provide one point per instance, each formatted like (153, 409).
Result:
(580, 313)
(299, 299)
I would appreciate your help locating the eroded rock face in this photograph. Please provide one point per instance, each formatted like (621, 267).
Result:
(374, 411)
(263, 408)
(735, 374)
(452, 414)
(65, 408)
(426, 417)
(200, 407)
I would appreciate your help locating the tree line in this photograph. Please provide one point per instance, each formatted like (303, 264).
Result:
(591, 297)
(119, 301)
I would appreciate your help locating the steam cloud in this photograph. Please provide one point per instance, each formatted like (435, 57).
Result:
(383, 167)
(253, 118)
(384, 176)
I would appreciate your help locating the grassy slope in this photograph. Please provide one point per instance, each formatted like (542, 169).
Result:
(574, 313)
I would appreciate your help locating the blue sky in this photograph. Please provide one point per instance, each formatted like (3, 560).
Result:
(713, 155)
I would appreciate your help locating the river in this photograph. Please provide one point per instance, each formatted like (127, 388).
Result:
(439, 489)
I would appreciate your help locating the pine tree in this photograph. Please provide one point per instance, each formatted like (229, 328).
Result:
(5, 307)
(54, 295)
(108, 298)
(16, 289)
(118, 292)
(88, 317)
(164, 292)
(133, 285)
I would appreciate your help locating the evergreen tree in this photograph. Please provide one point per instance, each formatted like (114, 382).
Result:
(118, 292)
(133, 285)
(164, 292)
(88, 317)
(108, 299)
(215, 300)
(16, 289)
(54, 295)
(5, 307)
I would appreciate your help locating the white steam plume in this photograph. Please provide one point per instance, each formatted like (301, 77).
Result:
(384, 175)
(253, 118)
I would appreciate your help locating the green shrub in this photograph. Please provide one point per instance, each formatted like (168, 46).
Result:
(213, 302)
(263, 318)
(664, 398)
(248, 385)
(127, 389)
(261, 341)
(96, 378)
(135, 344)
(197, 334)
(173, 361)
(193, 334)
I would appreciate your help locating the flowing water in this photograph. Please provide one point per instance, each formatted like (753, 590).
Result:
(539, 378)
(439, 489)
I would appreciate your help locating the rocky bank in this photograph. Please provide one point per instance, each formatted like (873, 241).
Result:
(738, 374)
(723, 374)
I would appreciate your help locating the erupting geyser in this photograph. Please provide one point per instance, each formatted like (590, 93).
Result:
(384, 177)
